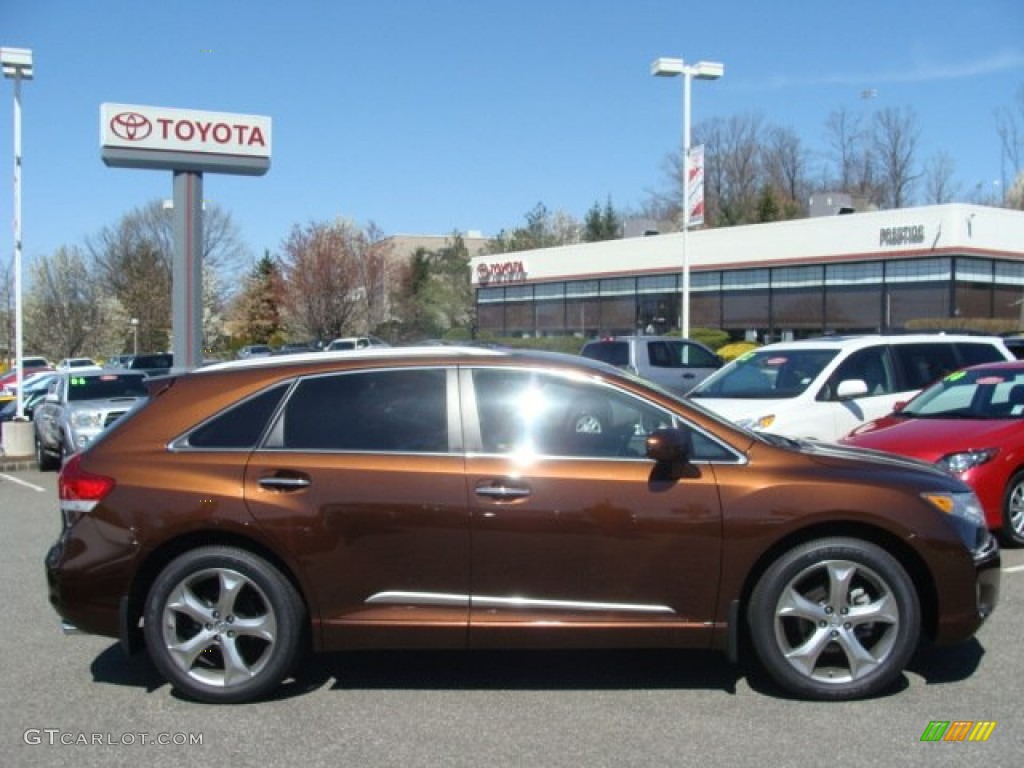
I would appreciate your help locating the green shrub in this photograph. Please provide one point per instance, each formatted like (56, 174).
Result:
(736, 349)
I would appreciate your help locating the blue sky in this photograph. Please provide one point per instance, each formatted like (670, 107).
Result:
(428, 117)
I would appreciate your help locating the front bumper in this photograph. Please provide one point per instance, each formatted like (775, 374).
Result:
(988, 565)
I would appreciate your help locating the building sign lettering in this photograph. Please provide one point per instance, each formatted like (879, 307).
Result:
(901, 235)
(500, 272)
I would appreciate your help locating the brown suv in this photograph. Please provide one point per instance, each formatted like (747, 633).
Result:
(444, 498)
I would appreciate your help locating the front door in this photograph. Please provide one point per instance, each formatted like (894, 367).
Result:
(573, 529)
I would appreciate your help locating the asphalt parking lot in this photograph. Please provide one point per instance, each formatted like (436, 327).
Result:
(78, 701)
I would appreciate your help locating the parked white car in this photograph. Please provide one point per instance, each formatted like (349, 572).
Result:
(78, 364)
(355, 342)
(825, 387)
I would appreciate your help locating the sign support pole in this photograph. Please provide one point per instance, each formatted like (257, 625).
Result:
(187, 271)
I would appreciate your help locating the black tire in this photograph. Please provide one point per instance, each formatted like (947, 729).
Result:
(1012, 532)
(835, 619)
(44, 459)
(223, 625)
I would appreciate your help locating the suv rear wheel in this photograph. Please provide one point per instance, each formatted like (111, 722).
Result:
(223, 625)
(835, 619)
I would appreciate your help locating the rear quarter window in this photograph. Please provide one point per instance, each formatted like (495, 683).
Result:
(241, 425)
(974, 354)
(611, 352)
(924, 363)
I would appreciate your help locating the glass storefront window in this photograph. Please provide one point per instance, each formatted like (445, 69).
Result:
(852, 308)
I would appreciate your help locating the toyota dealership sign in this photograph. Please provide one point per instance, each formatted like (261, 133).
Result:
(134, 136)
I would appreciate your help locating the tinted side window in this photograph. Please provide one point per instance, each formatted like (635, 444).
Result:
(529, 412)
(924, 363)
(241, 425)
(871, 366)
(680, 354)
(401, 411)
(974, 354)
(611, 352)
(693, 356)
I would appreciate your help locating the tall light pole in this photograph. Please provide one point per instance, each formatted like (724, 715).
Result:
(702, 70)
(17, 65)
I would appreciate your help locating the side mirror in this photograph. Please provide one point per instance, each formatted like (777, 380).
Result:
(851, 388)
(671, 450)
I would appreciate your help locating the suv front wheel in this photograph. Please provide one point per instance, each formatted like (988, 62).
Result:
(223, 625)
(835, 619)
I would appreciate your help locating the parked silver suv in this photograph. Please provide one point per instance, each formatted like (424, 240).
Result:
(78, 407)
(674, 363)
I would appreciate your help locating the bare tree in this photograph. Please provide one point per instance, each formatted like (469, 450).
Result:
(939, 184)
(329, 272)
(134, 258)
(543, 229)
(854, 168)
(7, 342)
(66, 312)
(1010, 127)
(733, 171)
(895, 141)
(375, 254)
(785, 165)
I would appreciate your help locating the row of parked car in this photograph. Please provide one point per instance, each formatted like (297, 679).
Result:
(865, 391)
(342, 344)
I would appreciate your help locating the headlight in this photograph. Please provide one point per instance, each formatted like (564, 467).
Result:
(87, 419)
(761, 422)
(961, 462)
(961, 505)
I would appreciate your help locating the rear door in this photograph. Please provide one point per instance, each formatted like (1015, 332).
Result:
(362, 481)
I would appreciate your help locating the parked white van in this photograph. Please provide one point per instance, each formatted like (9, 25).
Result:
(823, 388)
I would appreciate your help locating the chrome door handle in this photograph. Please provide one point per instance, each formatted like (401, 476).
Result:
(285, 483)
(502, 492)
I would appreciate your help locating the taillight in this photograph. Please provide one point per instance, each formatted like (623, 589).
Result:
(79, 490)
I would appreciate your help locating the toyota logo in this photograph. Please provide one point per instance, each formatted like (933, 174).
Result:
(131, 126)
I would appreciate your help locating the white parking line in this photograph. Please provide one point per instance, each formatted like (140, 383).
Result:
(1014, 569)
(22, 482)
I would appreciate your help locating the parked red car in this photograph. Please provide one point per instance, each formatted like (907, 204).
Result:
(9, 379)
(971, 423)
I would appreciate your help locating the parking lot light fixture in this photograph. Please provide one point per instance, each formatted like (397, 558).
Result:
(17, 66)
(702, 70)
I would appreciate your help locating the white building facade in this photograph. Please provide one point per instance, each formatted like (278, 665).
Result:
(856, 273)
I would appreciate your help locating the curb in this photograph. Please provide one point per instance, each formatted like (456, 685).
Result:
(16, 463)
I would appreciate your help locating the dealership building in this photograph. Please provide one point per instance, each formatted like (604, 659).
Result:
(855, 273)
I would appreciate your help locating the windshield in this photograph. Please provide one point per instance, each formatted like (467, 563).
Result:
(106, 386)
(767, 374)
(972, 394)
